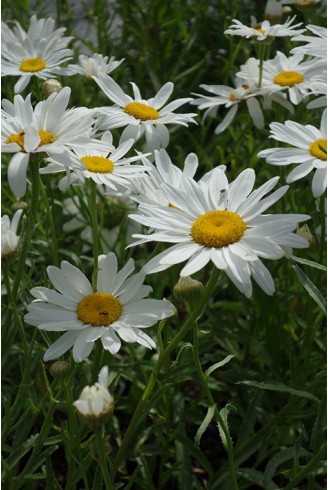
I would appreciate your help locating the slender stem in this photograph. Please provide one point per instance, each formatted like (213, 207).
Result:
(234, 483)
(51, 223)
(100, 441)
(138, 414)
(95, 237)
(323, 226)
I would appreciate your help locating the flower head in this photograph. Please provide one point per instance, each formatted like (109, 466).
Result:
(38, 52)
(90, 66)
(48, 128)
(9, 238)
(309, 151)
(95, 403)
(263, 30)
(141, 116)
(316, 45)
(222, 223)
(117, 309)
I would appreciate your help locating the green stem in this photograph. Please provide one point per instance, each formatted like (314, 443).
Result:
(100, 441)
(323, 227)
(138, 414)
(95, 238)
(51, 223)
(233, 475)
(309, 467)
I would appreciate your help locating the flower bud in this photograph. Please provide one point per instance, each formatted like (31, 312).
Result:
(286, 10)
(96, 404)
(9, 238)
(304, 231)
(188, 289)
(19, 205)
(50, 86)
(273, 12)
(59, 369)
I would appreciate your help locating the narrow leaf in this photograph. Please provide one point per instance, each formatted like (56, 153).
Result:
(224, 414)
(310, 263)
(203, 426)
(277, 460)
(310, 288)
(281, 388)
(217, 365)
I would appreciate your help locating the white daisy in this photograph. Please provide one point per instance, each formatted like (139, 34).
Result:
(95, 403)
(117, 309)
(222, 223)
(40, 51)
(141, 116)
(104, 165)
(263, 30)
(49, 128)
(231, 98)
(283, 73)
(316, 45)
(310, 151)
(90, 66)
(9, 237)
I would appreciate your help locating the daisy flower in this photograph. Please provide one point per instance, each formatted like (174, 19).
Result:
(283, 73)
(49, 128)
(104, 165)
(316, 45)
(116, 310)
(310, 151)
(38, 52)
(263, 30)
(90, 66)
(222, 223)
(95, 403)
(9, 237)
(140, 116)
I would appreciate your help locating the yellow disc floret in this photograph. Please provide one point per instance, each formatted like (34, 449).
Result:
(141, 111)
(318, 149)
(218, 229)
(16, 138)
(46, 138)
(99, 309)
(288, 78)
(97, 164)
(32, 64)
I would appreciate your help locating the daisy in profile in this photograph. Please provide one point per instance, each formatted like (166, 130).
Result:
(221, 223)
(309, 152)
(48, 128)
(9, 237)
(140, 116)
(116, 310)
(316, 45)
(283, 73)
(263, 30)
(104, 165)
(95, 403)
(90, 66)
(38, 52)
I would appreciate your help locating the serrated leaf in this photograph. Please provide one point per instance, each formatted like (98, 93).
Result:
(310, 263)
(257, 477)
(217, 365)
(17, 455)
(281, 388)
(312, 290)
(224, 415)
(277, 460)
(203, 426)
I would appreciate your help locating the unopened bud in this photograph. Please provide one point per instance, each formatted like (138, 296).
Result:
(51, 86)
(59, 369)
(286, 10)
(188, 289)
(273, 11)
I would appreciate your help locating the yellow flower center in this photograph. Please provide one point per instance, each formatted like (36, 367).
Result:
(232, 97)
(318, 149)
(218, 229)
(45, 136)
(141, 111)
(100, 165)
(288, 78)
(99, 309)
(261, 31)
(32, 65)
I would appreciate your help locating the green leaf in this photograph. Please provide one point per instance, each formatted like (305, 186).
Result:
(203, 426)
(21, 451)
(256, 477)
(277, 460)
(310, 288)
(217, 365)
(224, 414)
(310, 263)
(281, 388)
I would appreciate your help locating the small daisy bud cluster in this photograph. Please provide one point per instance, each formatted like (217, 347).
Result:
(188, 289)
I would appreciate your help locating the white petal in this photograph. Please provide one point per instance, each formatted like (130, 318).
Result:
(62, 345)
(17, 173)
